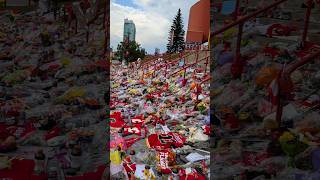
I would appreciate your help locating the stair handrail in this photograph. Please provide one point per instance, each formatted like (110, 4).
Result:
(286, 74)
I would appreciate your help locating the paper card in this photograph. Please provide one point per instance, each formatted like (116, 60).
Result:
(188, 170)
(193, 157)
(181, 63)
(200, 97)
(114, 169)
(139, 171)
(166, 129)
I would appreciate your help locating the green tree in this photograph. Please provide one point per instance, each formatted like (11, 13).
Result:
(130, 51)
(177, 33)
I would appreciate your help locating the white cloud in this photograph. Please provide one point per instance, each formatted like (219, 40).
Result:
(152, 18)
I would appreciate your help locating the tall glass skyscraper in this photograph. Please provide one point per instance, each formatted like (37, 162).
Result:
(129, 30)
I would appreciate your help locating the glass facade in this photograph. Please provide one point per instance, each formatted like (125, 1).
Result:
(129, 30)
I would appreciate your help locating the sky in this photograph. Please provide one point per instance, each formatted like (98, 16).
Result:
(153, 19)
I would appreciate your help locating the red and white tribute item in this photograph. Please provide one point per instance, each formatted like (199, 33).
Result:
(131, 141)
(163, 163)
(311, 101)
(253, 159)
(116, 120)
(309, 48)
(273, 91)
(114, 104)
(165, 141)
(129, 167)
(206, 130)
(190, 174)
(52, 133)
(156, 120)
(138, 120)
(128, 130)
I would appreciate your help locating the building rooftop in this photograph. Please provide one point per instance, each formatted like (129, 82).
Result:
(128, 21)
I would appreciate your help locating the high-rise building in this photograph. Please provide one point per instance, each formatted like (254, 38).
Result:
(129, 30)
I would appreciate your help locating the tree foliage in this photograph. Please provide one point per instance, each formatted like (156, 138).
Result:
(178, 43)
(130, 51)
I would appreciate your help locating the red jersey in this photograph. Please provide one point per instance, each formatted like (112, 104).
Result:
(116, 120)
(138, 120)
(165, 141)
(163, 163)
(135, 129)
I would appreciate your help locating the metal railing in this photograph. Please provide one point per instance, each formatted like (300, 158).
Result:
(282, 75)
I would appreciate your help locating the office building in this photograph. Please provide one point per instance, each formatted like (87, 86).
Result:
(129, 30)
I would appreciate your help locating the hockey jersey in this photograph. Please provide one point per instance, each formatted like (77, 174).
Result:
(116, 120)
(136, 129)
(163, 164)
(165, 141)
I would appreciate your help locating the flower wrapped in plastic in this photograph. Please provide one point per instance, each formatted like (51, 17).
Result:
(292, 146)
(71, 95)
(5, 162)
(201, 107)
(16, 76)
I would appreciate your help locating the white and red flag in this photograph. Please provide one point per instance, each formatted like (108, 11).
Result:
(273, 91)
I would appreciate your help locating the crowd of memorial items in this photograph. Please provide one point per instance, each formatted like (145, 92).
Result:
(52, 89)
(160, 119)
(251, 141)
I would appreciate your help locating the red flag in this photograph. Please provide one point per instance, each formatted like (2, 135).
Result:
(129, 166)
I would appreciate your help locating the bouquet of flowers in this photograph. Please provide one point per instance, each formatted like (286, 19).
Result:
(292, 146)
(201, 107)
(5, 162)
